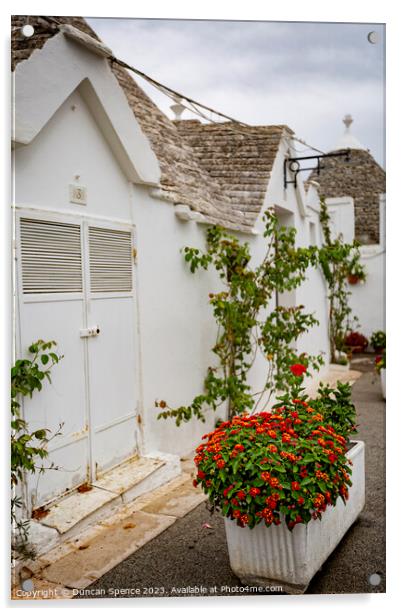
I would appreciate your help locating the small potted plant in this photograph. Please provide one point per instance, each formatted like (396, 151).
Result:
(378, 341)
(355, 342)
(356, 272)
(380, 364)
(284, 483)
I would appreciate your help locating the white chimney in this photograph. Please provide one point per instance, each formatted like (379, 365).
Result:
(347, 140)
(177, 109)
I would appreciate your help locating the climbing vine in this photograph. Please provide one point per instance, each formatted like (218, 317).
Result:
(246, 322)
(28, 448)
(337, 259)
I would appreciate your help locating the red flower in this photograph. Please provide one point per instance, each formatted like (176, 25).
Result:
(220, 463)
(195, 483)
(241, 495)
(239, 447)
(298, 369)
(201, 475)
(254, 491)
(295, 486)
(265, 476)
(271, 502)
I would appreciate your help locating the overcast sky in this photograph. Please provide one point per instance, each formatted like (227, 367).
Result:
(305, 75)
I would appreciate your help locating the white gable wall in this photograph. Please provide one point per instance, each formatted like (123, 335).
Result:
(70, 145)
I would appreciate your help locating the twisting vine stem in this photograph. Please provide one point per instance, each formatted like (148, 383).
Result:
(240, 313)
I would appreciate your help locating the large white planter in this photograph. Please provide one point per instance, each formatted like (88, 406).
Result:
(276, 556)
(382, 376)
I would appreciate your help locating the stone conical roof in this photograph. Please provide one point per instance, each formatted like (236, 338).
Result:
(362, 178)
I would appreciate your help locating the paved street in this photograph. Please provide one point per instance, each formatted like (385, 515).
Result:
(191, 560)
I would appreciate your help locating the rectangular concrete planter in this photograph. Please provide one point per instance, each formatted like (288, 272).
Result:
(276, 556)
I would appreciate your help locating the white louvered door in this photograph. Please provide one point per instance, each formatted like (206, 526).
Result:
(75, 285)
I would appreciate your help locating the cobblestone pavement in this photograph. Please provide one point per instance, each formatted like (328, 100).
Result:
(191, 559)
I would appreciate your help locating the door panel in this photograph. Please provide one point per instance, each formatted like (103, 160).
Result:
(63, 401)
(112, 376)
(111, 354)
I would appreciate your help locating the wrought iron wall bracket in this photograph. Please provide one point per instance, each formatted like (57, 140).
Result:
(292, 165)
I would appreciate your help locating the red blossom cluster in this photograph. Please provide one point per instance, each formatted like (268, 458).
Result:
(286, 464)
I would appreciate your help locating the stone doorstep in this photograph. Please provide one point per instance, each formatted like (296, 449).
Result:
(81, 560)
(67, 513)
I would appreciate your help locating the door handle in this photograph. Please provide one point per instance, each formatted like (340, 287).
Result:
(90, 332)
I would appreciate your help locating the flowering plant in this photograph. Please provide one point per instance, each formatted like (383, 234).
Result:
(286, 464)
(380, 361)
(356, 340)
(378, 340)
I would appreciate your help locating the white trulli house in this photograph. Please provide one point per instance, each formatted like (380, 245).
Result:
(108, 191)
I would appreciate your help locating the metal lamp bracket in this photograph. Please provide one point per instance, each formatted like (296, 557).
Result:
(292, 165)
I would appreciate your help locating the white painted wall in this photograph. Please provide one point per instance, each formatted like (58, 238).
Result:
(176, 328)
(342, 217)
(368, 298)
